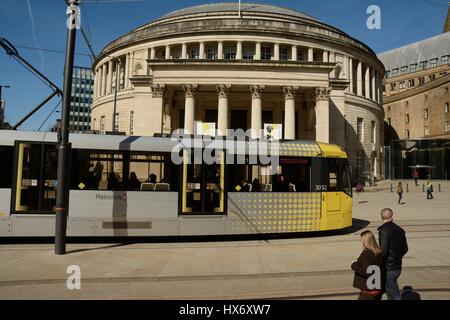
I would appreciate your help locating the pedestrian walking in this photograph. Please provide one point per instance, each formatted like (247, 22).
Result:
(430, 190)
(416, 177)
(359, 188)
(400, 192)
(371, 256)
(393, 247)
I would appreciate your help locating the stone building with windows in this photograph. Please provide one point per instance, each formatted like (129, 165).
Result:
(243, 69)
(416, 90)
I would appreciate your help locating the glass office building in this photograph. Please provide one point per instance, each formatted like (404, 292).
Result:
(429, 157)
(81, 99)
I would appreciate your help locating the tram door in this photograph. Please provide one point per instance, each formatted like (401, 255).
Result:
(35, 178)
(203, 185)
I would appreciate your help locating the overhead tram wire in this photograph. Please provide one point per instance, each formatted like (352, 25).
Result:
(50, 114)
(11, 51)
(84, 12)
(52, 50)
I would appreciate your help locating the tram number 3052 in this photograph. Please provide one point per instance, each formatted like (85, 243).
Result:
(321, 187)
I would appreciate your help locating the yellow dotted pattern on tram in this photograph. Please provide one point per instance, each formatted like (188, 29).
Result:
(274, 212)
(296, 149)
(281, 149)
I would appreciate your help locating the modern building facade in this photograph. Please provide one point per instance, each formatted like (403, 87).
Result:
(81, 99)
(430, 158)
(243, 69)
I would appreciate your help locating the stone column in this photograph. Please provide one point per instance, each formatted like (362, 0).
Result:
(220, 50)
(294, 53)
(184, 51)
(276, 52)
(157, 107)
(325, 56)
(258, 51)
(310, 54)
(289, 112)
(153, 53)
(110, 76)
(374, 93)
(103, 90)
(332, 56)
(359, 83)
(167, 52)
(127, 66)
(350, 74)
(323, 114)
(338, 116)
(190, 91)
(222, 112)
(201, 50)
(379, 86)
(96, 77)
(256, 126)
(367, 82)
(239, 50)
(99, 80)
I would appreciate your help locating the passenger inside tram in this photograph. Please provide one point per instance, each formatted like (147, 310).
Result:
(256, 185)
(133, 183)
(152, 178)
(113, 182)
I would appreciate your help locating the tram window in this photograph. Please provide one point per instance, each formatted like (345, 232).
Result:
(333, 172)
(292, 175)
(295, 174)
(106, 170)
(35, 183)
(346, 181)
(153, 168)
(6, 158)
(97, 170)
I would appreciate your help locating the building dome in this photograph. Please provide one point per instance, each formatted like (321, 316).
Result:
(233, 8)
(267, 66)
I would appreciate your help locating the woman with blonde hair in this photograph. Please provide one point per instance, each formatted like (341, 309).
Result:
(370, 257)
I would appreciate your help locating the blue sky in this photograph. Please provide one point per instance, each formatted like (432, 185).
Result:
(41, 24)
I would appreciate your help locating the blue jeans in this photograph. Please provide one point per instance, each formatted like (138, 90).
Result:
(392, 289)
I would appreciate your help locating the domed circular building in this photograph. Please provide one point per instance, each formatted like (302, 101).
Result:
(244, 67)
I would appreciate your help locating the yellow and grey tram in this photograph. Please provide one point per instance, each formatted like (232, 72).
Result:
(157, 186)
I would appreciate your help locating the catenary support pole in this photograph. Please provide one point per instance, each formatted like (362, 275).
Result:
(62, 195)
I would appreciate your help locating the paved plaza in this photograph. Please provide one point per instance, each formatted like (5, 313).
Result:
(316, 267)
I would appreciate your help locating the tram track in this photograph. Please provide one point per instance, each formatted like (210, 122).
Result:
(225, 277)
(146, 245)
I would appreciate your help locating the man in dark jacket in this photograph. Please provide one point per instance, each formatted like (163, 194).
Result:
(393, 246)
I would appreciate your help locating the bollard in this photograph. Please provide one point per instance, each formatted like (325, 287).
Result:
(423, 187)
(439, 187)
(407, 187)
(392, 188)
